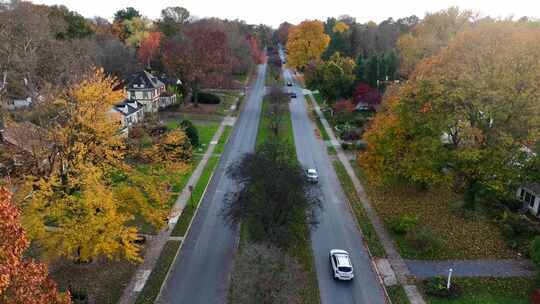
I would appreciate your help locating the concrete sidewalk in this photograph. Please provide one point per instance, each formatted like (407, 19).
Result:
(472, 268)
(397, 263)
(156, 243)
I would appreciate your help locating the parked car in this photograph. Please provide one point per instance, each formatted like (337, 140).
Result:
(341, 265)
(293, 95)
(312, 176)
(289, 84)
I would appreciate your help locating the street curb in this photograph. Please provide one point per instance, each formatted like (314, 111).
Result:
(202, 197)
(351, 210)
(192, 219)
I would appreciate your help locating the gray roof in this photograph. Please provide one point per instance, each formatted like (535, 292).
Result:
(144, 80)
(534, 187)
(128, 107)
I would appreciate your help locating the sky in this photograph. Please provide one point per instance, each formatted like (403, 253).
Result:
(274, 12)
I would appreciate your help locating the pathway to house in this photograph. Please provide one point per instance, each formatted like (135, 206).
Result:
(398, 265)
(156, 243)
(472, 268)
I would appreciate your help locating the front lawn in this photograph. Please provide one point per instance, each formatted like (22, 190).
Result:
(101, 281)
(442, 231)
(489, 291)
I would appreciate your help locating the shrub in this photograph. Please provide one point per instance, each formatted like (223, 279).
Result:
(422, 239)
(437, 287)
(191, 132)
(404, 224)
(535, 297)
(361, 146)
(534, 250)
(206, 98)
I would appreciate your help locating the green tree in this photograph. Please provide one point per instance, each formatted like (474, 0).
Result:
(76, 26)
(126, 14)
(333, 78)
(172, 20)
(191, 132)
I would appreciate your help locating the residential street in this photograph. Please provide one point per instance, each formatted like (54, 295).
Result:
(337, 227)
(201, 271)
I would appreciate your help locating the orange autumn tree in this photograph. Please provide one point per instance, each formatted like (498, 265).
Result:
(21, 281)
(306, 42)
(149, 48)
(465, 115)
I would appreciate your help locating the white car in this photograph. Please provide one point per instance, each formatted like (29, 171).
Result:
(312, 176)
(341, 265)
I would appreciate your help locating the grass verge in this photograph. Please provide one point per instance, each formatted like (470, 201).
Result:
(220, 147)
(187, 214)
(397, 294)
(155, 280)
(490, 291)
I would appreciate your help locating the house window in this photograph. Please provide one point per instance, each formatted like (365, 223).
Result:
(528, 198)
(145, 95)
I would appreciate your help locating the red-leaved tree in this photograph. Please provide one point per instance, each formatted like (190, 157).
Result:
(363, 93)
(149, 48)
(202, 58)
(21, 281)
(256, 52)
(344, 106)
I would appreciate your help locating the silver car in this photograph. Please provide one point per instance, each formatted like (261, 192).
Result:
(341, 265)
(312, 176)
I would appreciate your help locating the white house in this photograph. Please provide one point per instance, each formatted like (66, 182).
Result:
(130, 112)
(17, 103)
(529, 194)
(146, 89)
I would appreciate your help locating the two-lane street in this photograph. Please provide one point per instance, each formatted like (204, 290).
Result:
(337, 227)
(200, 274)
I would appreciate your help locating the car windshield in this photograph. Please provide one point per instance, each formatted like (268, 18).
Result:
(344, 269)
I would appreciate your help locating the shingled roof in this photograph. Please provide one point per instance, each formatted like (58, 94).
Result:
(128, 107)
(144, 80)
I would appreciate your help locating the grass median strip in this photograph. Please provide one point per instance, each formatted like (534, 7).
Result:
(155, 280)
(367, 229)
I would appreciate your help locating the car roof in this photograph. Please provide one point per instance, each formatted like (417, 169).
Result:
(343, 259)
(311, 171)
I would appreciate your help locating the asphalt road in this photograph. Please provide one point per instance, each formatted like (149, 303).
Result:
(337, 227)
(201, 272)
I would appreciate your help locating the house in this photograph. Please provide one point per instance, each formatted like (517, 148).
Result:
(17, 103)
(529, 194)
(129, 112)
(146, 89)
(150, 91)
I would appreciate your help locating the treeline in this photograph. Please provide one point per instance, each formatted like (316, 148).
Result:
(82, 189)
(49, 47)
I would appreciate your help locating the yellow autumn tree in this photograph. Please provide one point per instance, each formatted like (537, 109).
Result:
(340, 27)
(77, 210)
(429, 36)
(306, 42)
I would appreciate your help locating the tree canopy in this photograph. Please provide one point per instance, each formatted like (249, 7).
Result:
(306, 42)
(465, 115)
